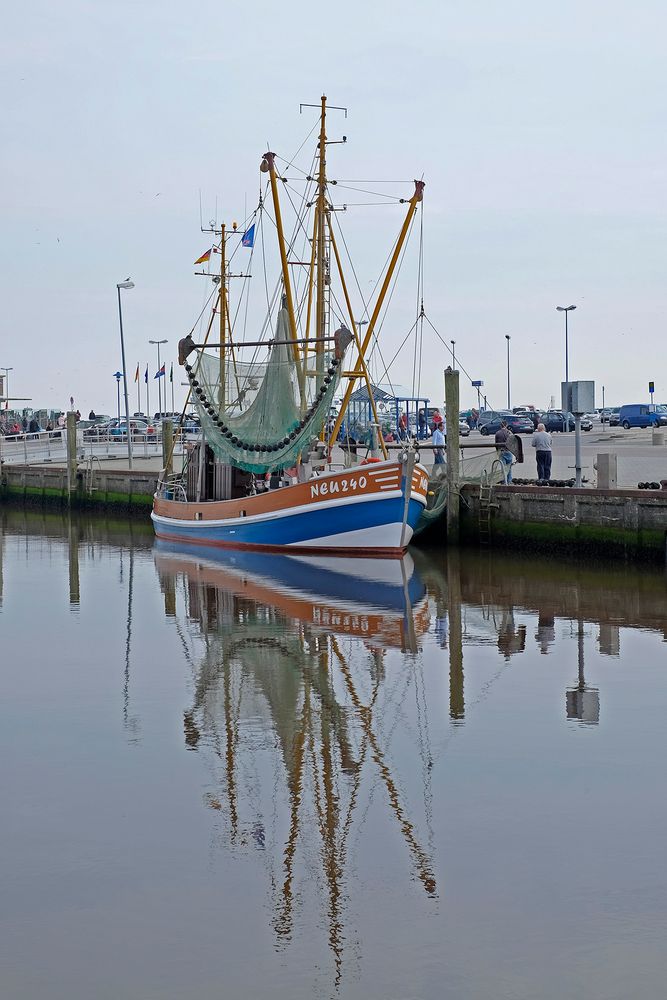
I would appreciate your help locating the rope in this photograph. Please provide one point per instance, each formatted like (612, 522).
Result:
(467, 375)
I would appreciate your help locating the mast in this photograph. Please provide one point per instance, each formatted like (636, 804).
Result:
(222, 401)
(269, 161)
(321, 206)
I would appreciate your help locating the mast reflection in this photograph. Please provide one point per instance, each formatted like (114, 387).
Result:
(286, 694)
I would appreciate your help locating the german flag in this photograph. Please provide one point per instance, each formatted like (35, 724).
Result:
(204, 257)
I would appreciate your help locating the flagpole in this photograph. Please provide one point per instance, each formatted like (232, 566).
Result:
(148, 405)
(138, 390)
(159, 369)
(171, 378)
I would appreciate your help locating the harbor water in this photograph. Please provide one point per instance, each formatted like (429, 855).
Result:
(231, 775)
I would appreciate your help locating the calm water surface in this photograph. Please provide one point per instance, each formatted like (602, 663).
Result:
(251, 776)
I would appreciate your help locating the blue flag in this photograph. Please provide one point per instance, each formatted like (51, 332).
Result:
(160, 373)
(146, 375)
(249, 237)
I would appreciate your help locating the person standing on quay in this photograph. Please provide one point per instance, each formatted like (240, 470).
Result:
(439, 442)
(541, 442)
(504, 447)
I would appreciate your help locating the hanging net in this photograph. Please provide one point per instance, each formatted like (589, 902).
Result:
(260, 423)
(473, 469)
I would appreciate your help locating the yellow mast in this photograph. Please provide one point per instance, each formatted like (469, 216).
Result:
(311, 272)
(355, 333)
(359, 366)
(269, 160)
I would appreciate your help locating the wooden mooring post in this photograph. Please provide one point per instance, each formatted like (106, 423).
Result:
(168, 447)
(452, 425)
(72, 465)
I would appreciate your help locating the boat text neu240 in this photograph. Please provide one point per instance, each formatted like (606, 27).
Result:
(261, 476)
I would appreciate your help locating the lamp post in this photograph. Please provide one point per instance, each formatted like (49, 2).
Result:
(118, 376)
(125, 285)
(6, 371)
(159, 386)
(509, 403)
(566, 310)
(453, 343)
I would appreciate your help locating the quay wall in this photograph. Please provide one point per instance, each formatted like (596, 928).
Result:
(630, 524)
(112, 489)
(627, 524)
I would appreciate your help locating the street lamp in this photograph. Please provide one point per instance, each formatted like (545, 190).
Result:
(118, 376)
(125, 285)
(508, 338)
(453, 343)
(159, 384)
(566, 310)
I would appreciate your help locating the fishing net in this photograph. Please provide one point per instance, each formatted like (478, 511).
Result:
(481, 466)
(263, 425)
(474, 469)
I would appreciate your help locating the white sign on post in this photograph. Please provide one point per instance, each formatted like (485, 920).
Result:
(578, 397)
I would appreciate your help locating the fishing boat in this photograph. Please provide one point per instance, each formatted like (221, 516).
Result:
(263, 475)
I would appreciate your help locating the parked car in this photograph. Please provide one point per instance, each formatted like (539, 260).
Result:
(464, 429)
(139, 428)
(96, 431)
(189, 424)
(165, 414)
(557, 420)
(640, 415)
(615, 416)
(490, 422)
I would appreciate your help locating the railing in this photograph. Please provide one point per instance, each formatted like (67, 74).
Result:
(51, 446)
(171, 487)
(31, 449)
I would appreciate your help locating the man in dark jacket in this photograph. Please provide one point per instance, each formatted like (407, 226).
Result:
(505, 448)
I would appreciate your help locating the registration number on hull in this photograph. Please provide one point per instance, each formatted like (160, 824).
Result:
(329, 488)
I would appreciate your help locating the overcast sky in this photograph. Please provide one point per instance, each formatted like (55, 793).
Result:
(539, 130)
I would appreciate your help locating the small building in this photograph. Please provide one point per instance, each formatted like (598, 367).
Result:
(390, 402)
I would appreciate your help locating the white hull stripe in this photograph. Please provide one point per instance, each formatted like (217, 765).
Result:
(367, 538)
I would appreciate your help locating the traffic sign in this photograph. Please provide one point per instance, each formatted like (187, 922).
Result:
(478, 384)
(651, 387)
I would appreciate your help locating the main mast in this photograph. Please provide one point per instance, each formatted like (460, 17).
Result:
(222, 401)
(321, 243)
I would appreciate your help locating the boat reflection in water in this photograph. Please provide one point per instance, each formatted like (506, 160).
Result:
(291, 706)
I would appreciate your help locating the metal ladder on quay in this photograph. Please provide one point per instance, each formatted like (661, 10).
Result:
(89, 475)
(486, 505)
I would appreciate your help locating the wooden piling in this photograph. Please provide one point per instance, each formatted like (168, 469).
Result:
(71, 453)
(452, 419)
(168, 446)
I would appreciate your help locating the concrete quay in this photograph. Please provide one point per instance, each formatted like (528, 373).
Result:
(626, 524)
